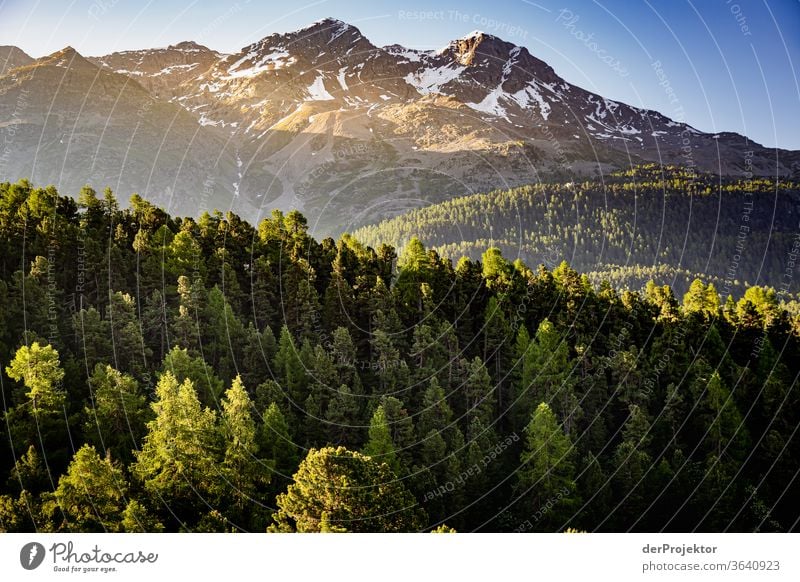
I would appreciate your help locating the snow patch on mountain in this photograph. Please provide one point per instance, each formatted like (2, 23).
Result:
(491, 103)
(277, 59)
(430, 80)
(530, 95)
(317, 91)
(341, 79)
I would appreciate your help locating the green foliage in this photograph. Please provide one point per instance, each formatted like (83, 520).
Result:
(660, 223)
(380, 445)
(345, 490)
(547, 475)
(116, 419)
(39, 369)
(185, 367)
(178, 462)
(659, 415)
(91, 495)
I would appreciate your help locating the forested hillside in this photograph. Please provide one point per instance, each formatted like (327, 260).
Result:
(650, 222)
(170, 374)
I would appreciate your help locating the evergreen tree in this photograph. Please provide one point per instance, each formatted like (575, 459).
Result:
(92, 493)
(379, 444)
(547, 472)
(241, 467)
(348, 491)
(277, 447)
(178, 462)
(116, 420)
(183, 366)
(39, 369)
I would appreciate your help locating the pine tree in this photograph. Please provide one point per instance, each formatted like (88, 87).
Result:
(379, 445)
(335, 488)
(39, 417)
(178, 462)
(131, 355)
(701, 299)
(39, 369)
(91, 495)
(548, 369)
(633, 463)
(289, 368)
(241, 467)
(480, 393)
(116, 420)
(547, 472)
(277, 446)
(344, 418)
(183, 366)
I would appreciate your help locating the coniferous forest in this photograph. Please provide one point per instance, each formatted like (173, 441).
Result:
(162, 373)
(666, 223)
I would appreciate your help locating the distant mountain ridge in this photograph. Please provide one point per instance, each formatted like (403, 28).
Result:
(323, 120)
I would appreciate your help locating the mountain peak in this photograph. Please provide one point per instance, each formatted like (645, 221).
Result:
(66, 54)
(327, 21)
(12, 57)
(465, 49)
(67, 58)
(189, 46)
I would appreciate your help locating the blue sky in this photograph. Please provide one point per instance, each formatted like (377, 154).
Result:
(723, 65)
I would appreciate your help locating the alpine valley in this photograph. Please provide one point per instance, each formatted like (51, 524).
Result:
(323, 121)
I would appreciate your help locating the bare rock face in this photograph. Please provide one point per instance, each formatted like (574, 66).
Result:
(322, 120)
(162, 70)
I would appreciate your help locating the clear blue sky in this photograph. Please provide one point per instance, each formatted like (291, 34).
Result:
(730, 64)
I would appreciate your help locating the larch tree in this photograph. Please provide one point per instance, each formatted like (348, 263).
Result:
(243, 471)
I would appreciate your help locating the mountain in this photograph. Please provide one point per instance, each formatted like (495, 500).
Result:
(647, 223)
(324, 121)
(11, 57)
(160, 71)
(70, 122)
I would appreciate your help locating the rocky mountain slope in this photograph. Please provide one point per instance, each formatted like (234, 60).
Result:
(322, 120)
(11, 57)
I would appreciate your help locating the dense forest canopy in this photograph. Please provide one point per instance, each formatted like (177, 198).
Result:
(667, 224)
(172, 374)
